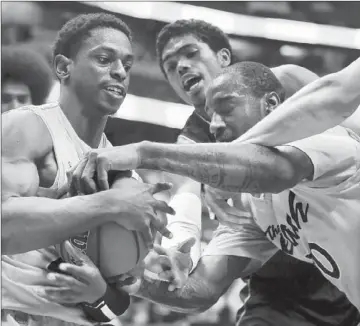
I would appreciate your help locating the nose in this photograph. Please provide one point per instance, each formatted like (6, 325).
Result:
(183, 66)
(118, 71)
(216, 123)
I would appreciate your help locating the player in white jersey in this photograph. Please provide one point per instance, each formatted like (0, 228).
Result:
(92, 59)
(311, 187)
(323, 104)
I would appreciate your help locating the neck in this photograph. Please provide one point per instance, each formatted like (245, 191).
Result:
(86, 121)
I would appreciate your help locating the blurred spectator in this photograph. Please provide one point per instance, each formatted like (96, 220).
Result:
(26, 77)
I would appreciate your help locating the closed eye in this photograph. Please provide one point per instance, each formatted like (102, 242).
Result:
(191, 54)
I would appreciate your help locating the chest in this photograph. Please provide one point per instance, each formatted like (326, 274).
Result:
(284, 218)
(47, 169)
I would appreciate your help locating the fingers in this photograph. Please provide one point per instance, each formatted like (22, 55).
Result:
(75, 183)
(166, 275)
(185, 246)
(147, 237)
(162, 206)
(63, 295)
(160, 226)
(87, 179)
(60, 280)
(160, 250)
(160, 186)
(103, 166)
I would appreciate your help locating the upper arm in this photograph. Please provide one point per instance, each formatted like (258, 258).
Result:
(23, 143)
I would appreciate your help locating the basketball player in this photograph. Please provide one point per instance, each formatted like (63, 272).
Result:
(92, 59)
(323, 104)
(26, 78)
(308, 190)
(194, 48)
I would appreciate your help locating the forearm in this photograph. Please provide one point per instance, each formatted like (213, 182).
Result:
(317, 107)
(192, 298)
(30, 223)
(231, 167)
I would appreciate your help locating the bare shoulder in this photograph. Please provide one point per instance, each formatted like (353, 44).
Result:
(24, 135)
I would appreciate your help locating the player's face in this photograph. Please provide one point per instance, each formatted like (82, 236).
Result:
(101, 69)
(190, 65)
(232, 113)
(14, 94)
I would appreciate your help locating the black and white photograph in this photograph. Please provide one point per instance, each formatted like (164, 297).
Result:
(180, 163)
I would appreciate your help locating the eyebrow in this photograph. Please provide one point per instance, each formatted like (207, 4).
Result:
(181, 49)
(109, 49)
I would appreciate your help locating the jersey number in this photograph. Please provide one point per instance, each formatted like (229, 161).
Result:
(334, 271)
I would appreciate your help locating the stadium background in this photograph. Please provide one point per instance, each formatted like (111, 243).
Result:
(321, 36)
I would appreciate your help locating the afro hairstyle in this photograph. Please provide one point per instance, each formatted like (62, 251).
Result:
(29, 67)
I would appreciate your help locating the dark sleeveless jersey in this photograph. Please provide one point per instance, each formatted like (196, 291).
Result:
(197, 129)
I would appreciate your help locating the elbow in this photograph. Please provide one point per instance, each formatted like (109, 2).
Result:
(287, 178)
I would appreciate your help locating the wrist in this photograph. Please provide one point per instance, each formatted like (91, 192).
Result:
(112, 304)
(145, 152)
(108, 210)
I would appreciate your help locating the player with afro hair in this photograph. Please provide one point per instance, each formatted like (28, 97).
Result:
(26, 77)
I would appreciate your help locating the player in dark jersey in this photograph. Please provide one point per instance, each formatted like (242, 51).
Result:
(285, 291)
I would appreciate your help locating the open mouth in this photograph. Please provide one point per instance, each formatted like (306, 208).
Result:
(190, 83)
(116, 91)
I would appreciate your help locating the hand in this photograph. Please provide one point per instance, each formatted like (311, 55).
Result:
(172, 264)
(135, 208)
(83, 282)
(230, 216)
(92, 170)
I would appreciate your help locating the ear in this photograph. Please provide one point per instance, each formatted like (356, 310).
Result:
(62, 66)
(224, 57)
(270, 102)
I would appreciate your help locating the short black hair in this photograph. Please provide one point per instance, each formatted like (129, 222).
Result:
(256, 76)
(76, 30)
(29, 67)
(213, 36)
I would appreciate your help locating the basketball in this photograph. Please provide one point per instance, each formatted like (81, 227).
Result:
(112, 248)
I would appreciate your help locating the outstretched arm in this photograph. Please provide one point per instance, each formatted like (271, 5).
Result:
(211, 279)
(317, 107)
(233, 167)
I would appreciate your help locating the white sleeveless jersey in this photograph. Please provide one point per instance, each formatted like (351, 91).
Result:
(22, 273)
(318, 221)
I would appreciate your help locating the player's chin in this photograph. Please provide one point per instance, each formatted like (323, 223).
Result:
(110, 108)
